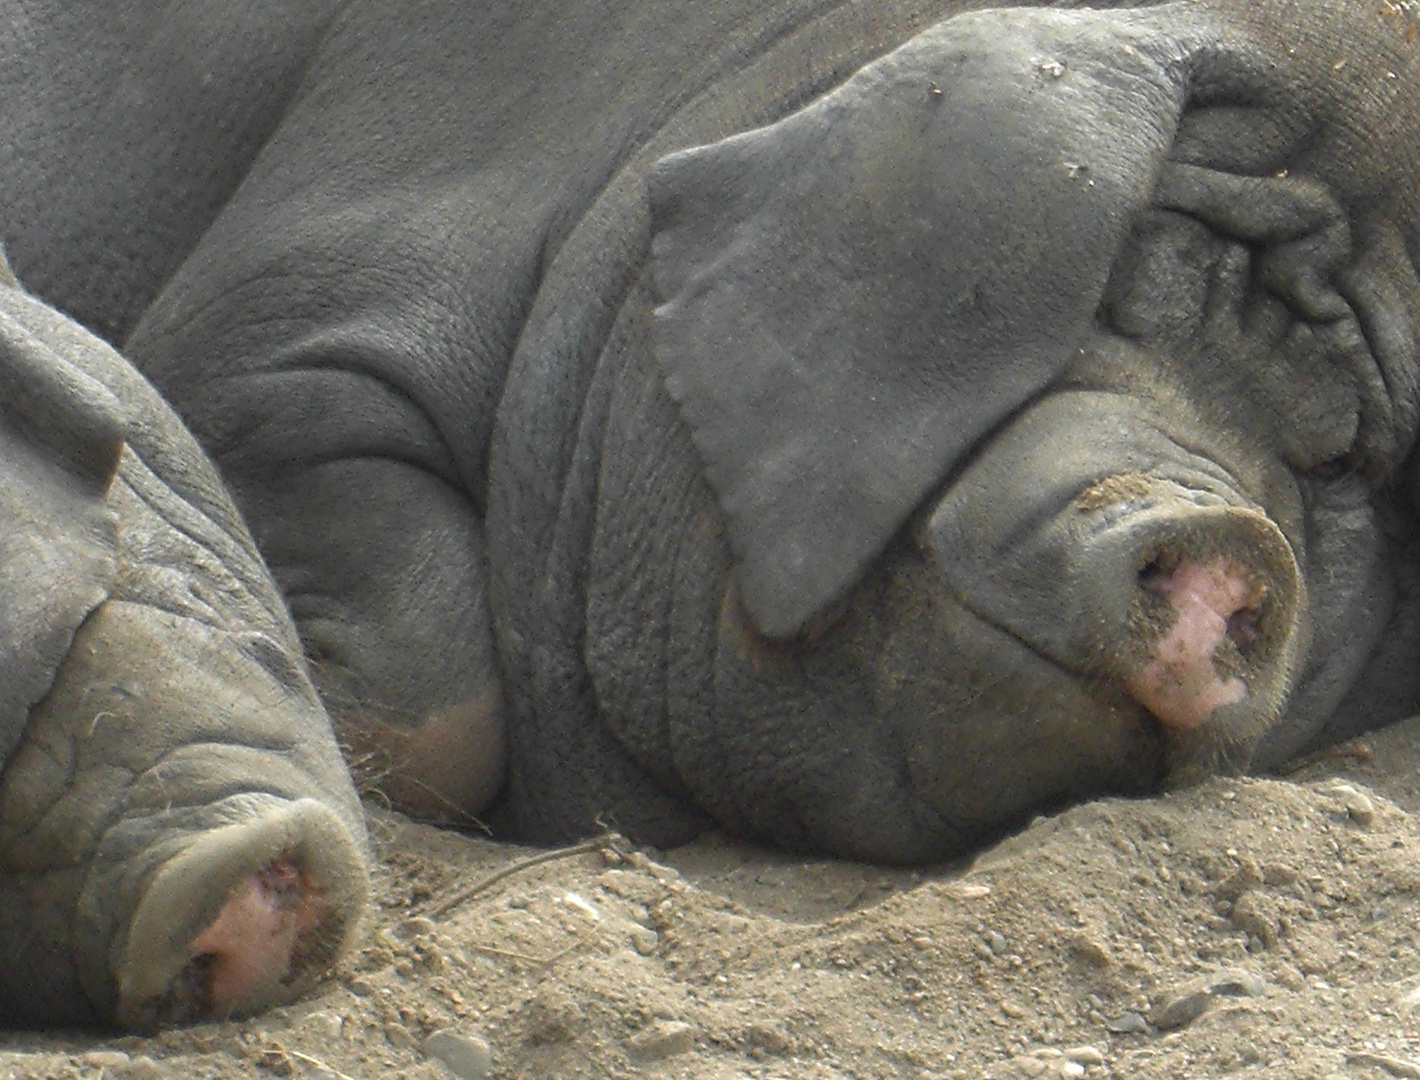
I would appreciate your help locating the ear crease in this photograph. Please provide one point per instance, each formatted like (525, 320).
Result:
(1298, 222)
(1383, 287)
(57, 406)
(1241, 139)
(1355, 288)
(697, 198)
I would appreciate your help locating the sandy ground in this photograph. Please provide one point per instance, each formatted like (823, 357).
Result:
(1247, 928)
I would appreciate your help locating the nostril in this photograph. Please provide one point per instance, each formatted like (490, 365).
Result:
(1221, 584)
(1243, 630)
(1154, 573)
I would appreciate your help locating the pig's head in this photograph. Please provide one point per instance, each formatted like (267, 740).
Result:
(178, 837)
(1050, 370)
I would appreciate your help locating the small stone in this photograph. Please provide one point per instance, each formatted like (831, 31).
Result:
(996, 942)
(105, 1059)
(768, 1040)
(142, 1067)
(1085, 1055)
(644, 940)
(1095, 953)
(1235, 982)
(1181, 1010)
(663, 1039)
(327, 1023)
(582, 904)
(1191, 999)
(1275, 874)
(360, 987)
(551, 1015)
(1030, 1066)
(1248, 875)
(1071, 1069)
(418, 926)
(400, 1036)
(969, 892)
(1258, 914)
(1129, 1023)
(1360, 808)
(466, 1056)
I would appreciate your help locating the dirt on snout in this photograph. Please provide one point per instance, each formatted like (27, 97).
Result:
(1247, 928)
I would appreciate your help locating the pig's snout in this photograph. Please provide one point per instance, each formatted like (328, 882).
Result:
(1214, 606)
(1195, 609)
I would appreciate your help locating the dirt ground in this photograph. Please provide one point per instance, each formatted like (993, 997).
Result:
(1247, 928)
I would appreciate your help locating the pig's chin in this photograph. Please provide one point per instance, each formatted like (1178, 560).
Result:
(999, 729)
(1038, 733)
(1195, 681)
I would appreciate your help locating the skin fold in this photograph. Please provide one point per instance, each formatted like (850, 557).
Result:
(861, 426)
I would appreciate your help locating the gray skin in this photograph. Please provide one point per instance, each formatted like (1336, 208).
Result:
(179, 838)
(857, 426)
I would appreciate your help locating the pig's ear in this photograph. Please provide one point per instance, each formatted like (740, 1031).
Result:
(61, 434)
(854, 296)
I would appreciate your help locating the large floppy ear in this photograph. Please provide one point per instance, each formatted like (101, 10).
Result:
(61, 435)
(853, 296)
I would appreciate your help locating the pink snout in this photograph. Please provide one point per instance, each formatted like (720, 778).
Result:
(1204, 603)
(1214, 602)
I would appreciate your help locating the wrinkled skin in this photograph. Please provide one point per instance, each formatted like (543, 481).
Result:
(855, 425)
(179, 839)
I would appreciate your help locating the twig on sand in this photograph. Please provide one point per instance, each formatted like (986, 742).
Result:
(1354, 750)
(1393, 1065)
(607, 840)
(317, 1063)
(279, 1059)
(536, 961)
